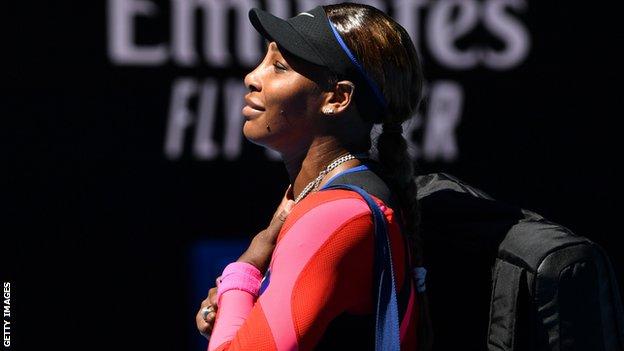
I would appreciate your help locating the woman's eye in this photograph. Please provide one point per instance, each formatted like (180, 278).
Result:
(279, 66)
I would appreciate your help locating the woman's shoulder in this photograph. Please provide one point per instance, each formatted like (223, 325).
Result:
(330, 200)
(334, 206)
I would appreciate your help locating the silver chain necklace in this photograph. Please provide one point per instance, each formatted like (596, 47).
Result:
(315, 183)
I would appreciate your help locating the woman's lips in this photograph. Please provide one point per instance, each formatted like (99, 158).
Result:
(250, 112)
(252, 108)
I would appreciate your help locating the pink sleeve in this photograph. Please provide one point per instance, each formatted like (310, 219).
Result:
(312, 252)
(237, 304)
(237, 291)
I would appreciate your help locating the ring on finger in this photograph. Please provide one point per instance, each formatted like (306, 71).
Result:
(206, 311)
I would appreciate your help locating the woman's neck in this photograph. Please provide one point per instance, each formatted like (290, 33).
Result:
(306, 166)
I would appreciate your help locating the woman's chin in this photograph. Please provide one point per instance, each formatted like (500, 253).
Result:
(254, 133)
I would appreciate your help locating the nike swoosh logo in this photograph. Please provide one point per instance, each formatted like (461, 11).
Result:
(306, 14)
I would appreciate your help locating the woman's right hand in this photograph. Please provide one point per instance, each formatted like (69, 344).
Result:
(258, 254)
(205, 321)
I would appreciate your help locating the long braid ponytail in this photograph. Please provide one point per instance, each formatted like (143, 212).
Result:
(395, 159)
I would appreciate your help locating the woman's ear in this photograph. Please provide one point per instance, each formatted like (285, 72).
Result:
(338, 99)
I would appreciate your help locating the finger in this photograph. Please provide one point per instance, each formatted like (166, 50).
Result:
(203, 327)
(286, 210)
(282, 216)
(280, 208)
(289, 193)
(210, 318)
(205, 321)
(277, 222)
(206, 316)
(205, 330)
(212, 297)
(205, 303)
(285, 199)
(276, 225)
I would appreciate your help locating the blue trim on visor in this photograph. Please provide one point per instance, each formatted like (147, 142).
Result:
(355, 62)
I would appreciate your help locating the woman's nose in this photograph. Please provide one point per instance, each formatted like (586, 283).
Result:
(252, 82)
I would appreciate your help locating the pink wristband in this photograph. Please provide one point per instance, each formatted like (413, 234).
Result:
(240, 276)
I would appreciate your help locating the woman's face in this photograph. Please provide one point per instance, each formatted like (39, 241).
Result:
(283, 104)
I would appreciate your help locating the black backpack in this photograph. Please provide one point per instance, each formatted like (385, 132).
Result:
(549, 289)
(503, 278)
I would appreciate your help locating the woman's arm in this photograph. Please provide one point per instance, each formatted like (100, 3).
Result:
(257, 255)
(321, 268)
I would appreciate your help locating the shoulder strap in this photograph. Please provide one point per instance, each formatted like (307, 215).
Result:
(372, 183)
(387, 333)
(503, 306)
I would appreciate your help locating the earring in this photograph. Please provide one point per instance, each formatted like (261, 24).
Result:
(328, 111)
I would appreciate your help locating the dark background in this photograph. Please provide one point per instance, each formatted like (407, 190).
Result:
(99, 225)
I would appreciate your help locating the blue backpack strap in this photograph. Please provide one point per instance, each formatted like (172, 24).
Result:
(387, 332)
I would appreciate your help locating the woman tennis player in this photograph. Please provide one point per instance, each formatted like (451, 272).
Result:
(306, 282)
